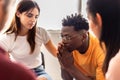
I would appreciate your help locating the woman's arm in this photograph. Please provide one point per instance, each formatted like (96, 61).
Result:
(51, 48)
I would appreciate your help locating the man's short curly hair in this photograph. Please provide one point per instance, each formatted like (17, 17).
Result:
(77, 21)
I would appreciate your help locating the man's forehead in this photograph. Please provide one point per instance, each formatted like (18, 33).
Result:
(71, 30)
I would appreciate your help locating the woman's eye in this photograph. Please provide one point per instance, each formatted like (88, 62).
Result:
(36, 17)
(29, 15)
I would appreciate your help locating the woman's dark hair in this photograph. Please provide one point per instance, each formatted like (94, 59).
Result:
(77, 21)
(110, 33)
(15, 27)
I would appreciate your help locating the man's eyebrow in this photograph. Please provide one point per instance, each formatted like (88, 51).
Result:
(65, 35)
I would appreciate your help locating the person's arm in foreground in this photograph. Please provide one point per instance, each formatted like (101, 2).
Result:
(13, 71)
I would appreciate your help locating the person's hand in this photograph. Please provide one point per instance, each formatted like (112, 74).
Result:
(64, 56)
(66, 60)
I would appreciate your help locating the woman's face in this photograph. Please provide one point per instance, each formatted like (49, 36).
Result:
(28, 19)
(94, 25)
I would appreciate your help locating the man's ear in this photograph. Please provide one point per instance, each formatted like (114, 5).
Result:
(99, 19)
(84, 35)
(18, 14)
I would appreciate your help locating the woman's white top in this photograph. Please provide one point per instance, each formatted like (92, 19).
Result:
(113, 72)
(20, 48)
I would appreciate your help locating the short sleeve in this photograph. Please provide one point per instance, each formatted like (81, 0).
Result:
(5, 42)
(44, 34)
(100, 59)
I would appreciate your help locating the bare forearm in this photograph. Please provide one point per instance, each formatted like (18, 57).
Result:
(51, 48)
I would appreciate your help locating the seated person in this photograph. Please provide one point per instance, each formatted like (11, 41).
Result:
(8, 69)
(23, 39)
(80, 55)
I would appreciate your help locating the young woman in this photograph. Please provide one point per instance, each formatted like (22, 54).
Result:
(104, 19)
(8, 69)
(23, 39)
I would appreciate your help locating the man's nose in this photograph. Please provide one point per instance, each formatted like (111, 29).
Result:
(64, 40)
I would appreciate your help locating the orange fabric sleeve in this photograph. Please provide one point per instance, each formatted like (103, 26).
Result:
(100, 60)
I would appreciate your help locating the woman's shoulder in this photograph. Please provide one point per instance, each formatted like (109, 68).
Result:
(40, 30)
(41, 33)
(117, 56)
(113, 68)
(116, 59)
(7, 35)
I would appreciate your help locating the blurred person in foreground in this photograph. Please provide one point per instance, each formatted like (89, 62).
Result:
(104, 20)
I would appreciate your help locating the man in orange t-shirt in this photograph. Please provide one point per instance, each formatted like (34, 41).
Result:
(80, 54)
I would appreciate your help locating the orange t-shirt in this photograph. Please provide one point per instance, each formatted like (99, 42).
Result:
(90, 63)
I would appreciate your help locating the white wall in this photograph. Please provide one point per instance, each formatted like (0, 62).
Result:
(84, 13)
(53, 11)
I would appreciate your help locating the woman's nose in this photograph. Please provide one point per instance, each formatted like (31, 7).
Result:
(33, 19)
